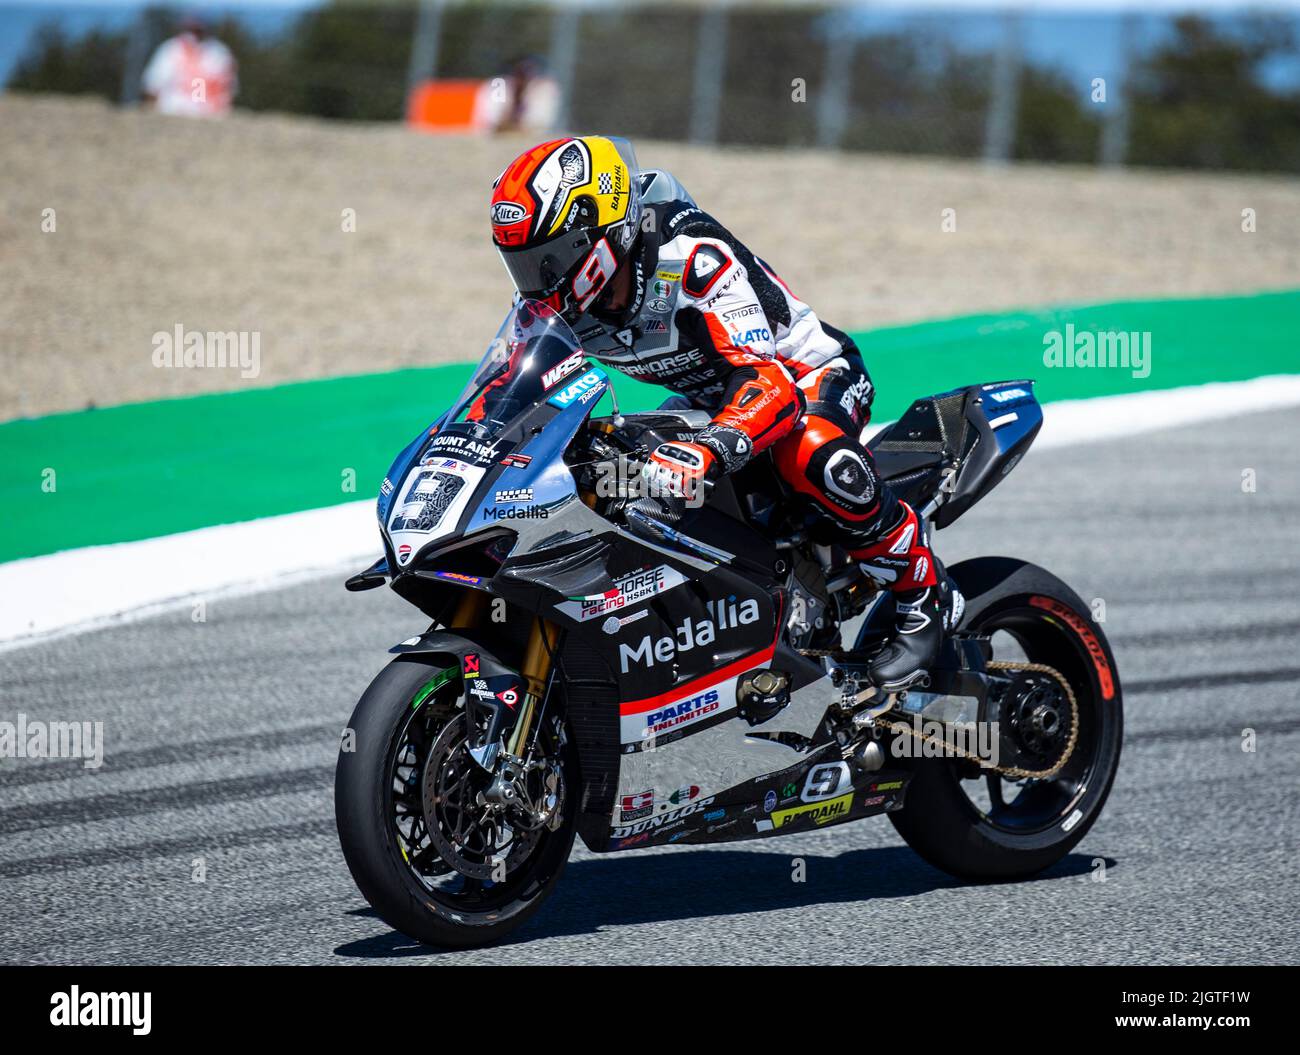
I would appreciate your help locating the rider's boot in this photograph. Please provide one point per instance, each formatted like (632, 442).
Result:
(903, 561)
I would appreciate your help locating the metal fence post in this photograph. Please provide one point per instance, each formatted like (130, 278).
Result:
(710, 69)
(1114, 129)
(424, 45)
(1000, 124)
(137, 54)
(837, 77)
(563, 58)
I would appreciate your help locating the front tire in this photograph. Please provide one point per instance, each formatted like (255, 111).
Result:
(992, 837)
(381, 798)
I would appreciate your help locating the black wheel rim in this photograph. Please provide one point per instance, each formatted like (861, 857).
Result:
(426, 761)
(1025, 806)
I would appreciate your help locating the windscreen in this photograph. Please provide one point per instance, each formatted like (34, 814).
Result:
(533, 351)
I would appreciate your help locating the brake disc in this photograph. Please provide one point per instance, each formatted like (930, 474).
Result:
(467, 832)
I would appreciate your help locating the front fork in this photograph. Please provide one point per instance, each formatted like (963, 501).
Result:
(510, 761)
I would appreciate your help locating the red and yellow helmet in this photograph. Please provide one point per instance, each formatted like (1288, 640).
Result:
(565, 214)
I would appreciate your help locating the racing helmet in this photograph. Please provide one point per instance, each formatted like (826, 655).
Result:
(565, 215)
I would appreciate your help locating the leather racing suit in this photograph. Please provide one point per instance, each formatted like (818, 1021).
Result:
(713, 323)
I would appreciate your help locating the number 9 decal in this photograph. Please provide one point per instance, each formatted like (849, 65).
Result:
(597, 269)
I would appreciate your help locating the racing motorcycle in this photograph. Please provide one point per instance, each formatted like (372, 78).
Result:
(694, 676)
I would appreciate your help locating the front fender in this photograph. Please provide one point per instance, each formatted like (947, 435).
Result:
(493, 691)
(444, 643)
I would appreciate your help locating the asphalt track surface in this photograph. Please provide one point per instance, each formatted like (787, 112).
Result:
(221, 738)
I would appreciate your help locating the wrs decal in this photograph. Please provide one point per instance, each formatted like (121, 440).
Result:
(561, 370)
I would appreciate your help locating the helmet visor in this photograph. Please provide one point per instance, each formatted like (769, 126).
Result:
(540, 270)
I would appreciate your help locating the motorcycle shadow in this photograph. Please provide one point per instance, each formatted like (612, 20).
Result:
(641, 887)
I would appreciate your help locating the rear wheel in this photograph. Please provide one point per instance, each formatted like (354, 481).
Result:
(426, 850)
(983, 826)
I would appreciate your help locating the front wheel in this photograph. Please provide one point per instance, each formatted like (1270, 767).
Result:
(432, 857)
(983, 826)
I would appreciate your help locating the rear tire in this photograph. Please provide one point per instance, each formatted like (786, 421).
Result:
(1047, 818)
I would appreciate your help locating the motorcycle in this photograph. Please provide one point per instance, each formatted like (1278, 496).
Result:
(593, 669)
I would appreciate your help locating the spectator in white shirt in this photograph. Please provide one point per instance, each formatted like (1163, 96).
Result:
(192, 74)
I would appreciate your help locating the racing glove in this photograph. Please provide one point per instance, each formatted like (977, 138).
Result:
(679, 471)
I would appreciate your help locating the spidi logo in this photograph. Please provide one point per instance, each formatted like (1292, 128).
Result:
(691, 634)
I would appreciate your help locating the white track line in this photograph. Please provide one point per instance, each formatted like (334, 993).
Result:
(83, 589)
(1074, 421)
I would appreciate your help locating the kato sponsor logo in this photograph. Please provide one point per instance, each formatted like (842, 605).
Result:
(583, 389)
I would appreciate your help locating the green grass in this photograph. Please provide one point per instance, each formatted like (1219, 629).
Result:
(148, 469)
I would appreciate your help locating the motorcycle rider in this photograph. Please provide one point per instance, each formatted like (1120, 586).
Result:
(658, 289)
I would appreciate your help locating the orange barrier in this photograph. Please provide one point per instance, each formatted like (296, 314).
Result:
(445, 106)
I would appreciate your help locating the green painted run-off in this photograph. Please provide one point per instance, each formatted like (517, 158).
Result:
(149, 469)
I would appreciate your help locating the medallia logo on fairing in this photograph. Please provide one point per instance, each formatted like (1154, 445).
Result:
(691, 634)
